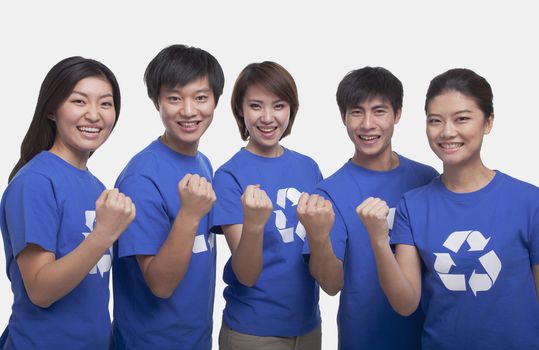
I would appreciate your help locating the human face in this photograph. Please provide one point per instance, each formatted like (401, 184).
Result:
(455, 128)
(266, 119)
(370, 126)
(84, 120)
(186, 112)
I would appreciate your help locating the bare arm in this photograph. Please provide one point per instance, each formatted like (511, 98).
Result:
(400, 274)
(536, 279)
(246, 240)
(165, 270)
(46, 279)
(317, 216)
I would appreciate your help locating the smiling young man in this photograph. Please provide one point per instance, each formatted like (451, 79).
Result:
(164, 266)
(341, 258)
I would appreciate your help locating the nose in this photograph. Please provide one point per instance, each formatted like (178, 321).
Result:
(266, 116)
(188, 108)
(367, 121)
(92, 114)
(448, 130)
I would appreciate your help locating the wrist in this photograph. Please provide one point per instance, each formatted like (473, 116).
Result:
(100, 239)
(188, 218)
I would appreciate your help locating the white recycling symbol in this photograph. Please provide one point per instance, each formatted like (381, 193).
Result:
(199, 245)
(478, 282)
(104, 264)
(287, 233)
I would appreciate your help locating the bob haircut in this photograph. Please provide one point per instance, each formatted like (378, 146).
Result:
(272, 77)
(368, 82)
(178, 65)
(55, 89)
(468, 83)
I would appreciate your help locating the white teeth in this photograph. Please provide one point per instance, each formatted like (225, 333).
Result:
(451, 145)
(368, 138)
(266, 129)
(88, 129)
(188, 124)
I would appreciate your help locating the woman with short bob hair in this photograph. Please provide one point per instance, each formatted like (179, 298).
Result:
(467, 244)
(271, 298)
(58, 221)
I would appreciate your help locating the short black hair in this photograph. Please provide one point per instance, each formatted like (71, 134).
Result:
(362, 84)
(178, 65)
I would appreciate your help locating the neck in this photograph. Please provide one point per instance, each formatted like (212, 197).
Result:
(465, 179)
(383, 162)
(268, 152)
(78, 160)
(188, 149)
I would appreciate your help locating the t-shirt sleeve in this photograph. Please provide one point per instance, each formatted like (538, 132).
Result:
(151, 226)
(32, 213)
(534, 239)
(338, 235)
(402, 230)
(228, 209)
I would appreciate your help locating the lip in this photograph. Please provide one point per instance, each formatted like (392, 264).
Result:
(267, 132)
(368, 139)
(450, 147)
(189, 126)
(89, 132)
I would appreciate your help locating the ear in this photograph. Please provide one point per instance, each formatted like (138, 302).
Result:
(489, 123)
(343, 118)
(398, 116)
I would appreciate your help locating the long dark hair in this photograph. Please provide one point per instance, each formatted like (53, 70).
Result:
(55, 89)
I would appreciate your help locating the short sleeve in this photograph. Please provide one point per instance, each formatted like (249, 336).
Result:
(338, 235)
(228, 209)
(32, 213)
(151, 226)
(402, 230)
(534, 239)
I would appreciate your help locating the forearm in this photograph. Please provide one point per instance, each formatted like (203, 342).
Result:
(164, 271)
(401, 293)
(325, 267)
(247, 257)
(56, 278)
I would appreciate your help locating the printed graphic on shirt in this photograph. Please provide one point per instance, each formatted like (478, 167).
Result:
(288, 196)
(104, 264)
(478, 282)
(199, 246)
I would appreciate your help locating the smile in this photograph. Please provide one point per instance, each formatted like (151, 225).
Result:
(266, 130)
(368, 137)
(450, 146)
(89, 129)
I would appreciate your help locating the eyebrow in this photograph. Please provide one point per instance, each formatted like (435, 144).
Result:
(86, 95)
(462, 111)
(261, 102)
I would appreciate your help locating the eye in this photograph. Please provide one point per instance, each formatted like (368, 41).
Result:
(173, 99)
(201, 98)
(107, 104)
(462, 119)
(379, 112)
(433, 121)
(279, 106)
(255, 106)
(78, 101)
(356, 112)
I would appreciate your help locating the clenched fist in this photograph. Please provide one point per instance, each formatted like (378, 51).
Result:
(114, 211)
(315, 214)
(196, 195)
(257, 207)
(373, 212)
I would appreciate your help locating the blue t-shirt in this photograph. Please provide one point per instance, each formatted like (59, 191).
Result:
(477, 249)
(284, 299)
(51, 203)
(142, 320)
(365, 318)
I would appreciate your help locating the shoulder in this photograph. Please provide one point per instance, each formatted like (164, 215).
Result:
(518, 188)
(335, 183)
(143, 163)
(420, 169)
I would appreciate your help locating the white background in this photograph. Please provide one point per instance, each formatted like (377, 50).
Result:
(317, 42)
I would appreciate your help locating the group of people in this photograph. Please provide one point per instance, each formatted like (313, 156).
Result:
(422, 260)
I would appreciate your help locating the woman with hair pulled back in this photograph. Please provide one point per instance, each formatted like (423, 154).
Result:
(474, 230)
(58, 221)
(271, 298)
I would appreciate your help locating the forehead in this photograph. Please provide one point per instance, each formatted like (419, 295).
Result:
(375, 101)
(201, 84)
(451, 102)
(98, 85)
(258, 92)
